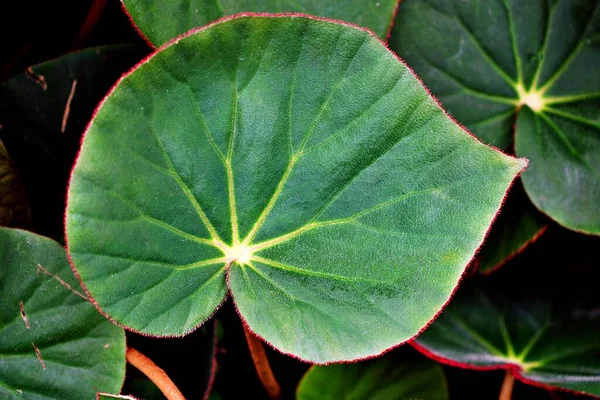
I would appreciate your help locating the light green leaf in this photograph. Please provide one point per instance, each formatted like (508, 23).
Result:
(527, 335)
(160, 21)
(386, 378)
(53, 342)
(299, 159)
(490, 60)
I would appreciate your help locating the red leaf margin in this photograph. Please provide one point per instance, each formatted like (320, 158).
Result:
(275, 15)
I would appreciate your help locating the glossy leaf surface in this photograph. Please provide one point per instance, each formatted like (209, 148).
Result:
(14, 209)
(487, 61)
(160, 21)
(53, 342)
(33, 113)
(382, 379)
(517, 225)
(530, 337)
(296, 157)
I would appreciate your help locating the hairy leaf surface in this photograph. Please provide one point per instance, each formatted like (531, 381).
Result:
(490, 62)
(299, 159)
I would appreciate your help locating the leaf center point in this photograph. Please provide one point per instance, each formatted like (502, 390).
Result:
(239, 253)
(532, 99)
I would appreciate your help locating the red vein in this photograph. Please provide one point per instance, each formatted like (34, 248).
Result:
(39, 356)
(65, 117)
(39, 79)
(23, 315)
(65, 284)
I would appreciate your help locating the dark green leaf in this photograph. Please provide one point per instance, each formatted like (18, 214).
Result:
(160, 21)
(32, 110)
(296, 157)
(529, 336)
(53, 342)
(488, 60)
(14, 209)
(518, 224)
(382, 379)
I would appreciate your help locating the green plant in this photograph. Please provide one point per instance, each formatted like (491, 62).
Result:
(295, 164)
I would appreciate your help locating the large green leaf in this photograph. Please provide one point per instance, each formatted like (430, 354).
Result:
(518, 224)
(385, 378)
(53, 342)
(14, 209)
(529, 336)
(296, 157)
(160, 21)
(487, 60)
(33, 110)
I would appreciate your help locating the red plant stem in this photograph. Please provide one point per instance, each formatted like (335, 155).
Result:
(92, 18)
(154, 373)
(261, 363)
(507, 386)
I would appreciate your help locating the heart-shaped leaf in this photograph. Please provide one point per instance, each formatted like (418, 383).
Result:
(518, 224)
(14, 209)
(43, 113)
(53, 342)
(488, 60)
(301, 160)
(529, 337)
(160, 21)
(385, 378)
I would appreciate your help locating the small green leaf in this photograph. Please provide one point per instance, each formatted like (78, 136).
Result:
(14, 209)
(33, 113)
(477, 331)
(160, 21)
(53, 342)
(385, 378)
(299, 159)
(487, 61)
(518, 224)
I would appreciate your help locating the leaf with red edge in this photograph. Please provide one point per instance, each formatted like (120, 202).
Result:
(160, 21)
(53, 342)
(534, 61)
(532, 337)
(291, 161)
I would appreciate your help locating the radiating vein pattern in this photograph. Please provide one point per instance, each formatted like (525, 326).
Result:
(548, 348)
(294, 162)
(489, 61)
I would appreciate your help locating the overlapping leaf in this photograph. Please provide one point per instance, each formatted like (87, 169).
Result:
(385, 378)
(53, 342)
(299, 159)
(488, 60)
(527, 336)
(160, 21)
(43, 113)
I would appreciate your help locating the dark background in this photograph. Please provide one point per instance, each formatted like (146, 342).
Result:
(561, 264)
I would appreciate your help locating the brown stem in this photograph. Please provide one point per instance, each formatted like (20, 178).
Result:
(261, 363)
(155, 373)
(92, 18)
(507, 386)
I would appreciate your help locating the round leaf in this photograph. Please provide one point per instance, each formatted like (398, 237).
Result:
(488, 60)
(384, 378)
(53, 342)
(476, 331)
(160, 21)
(301, 160)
